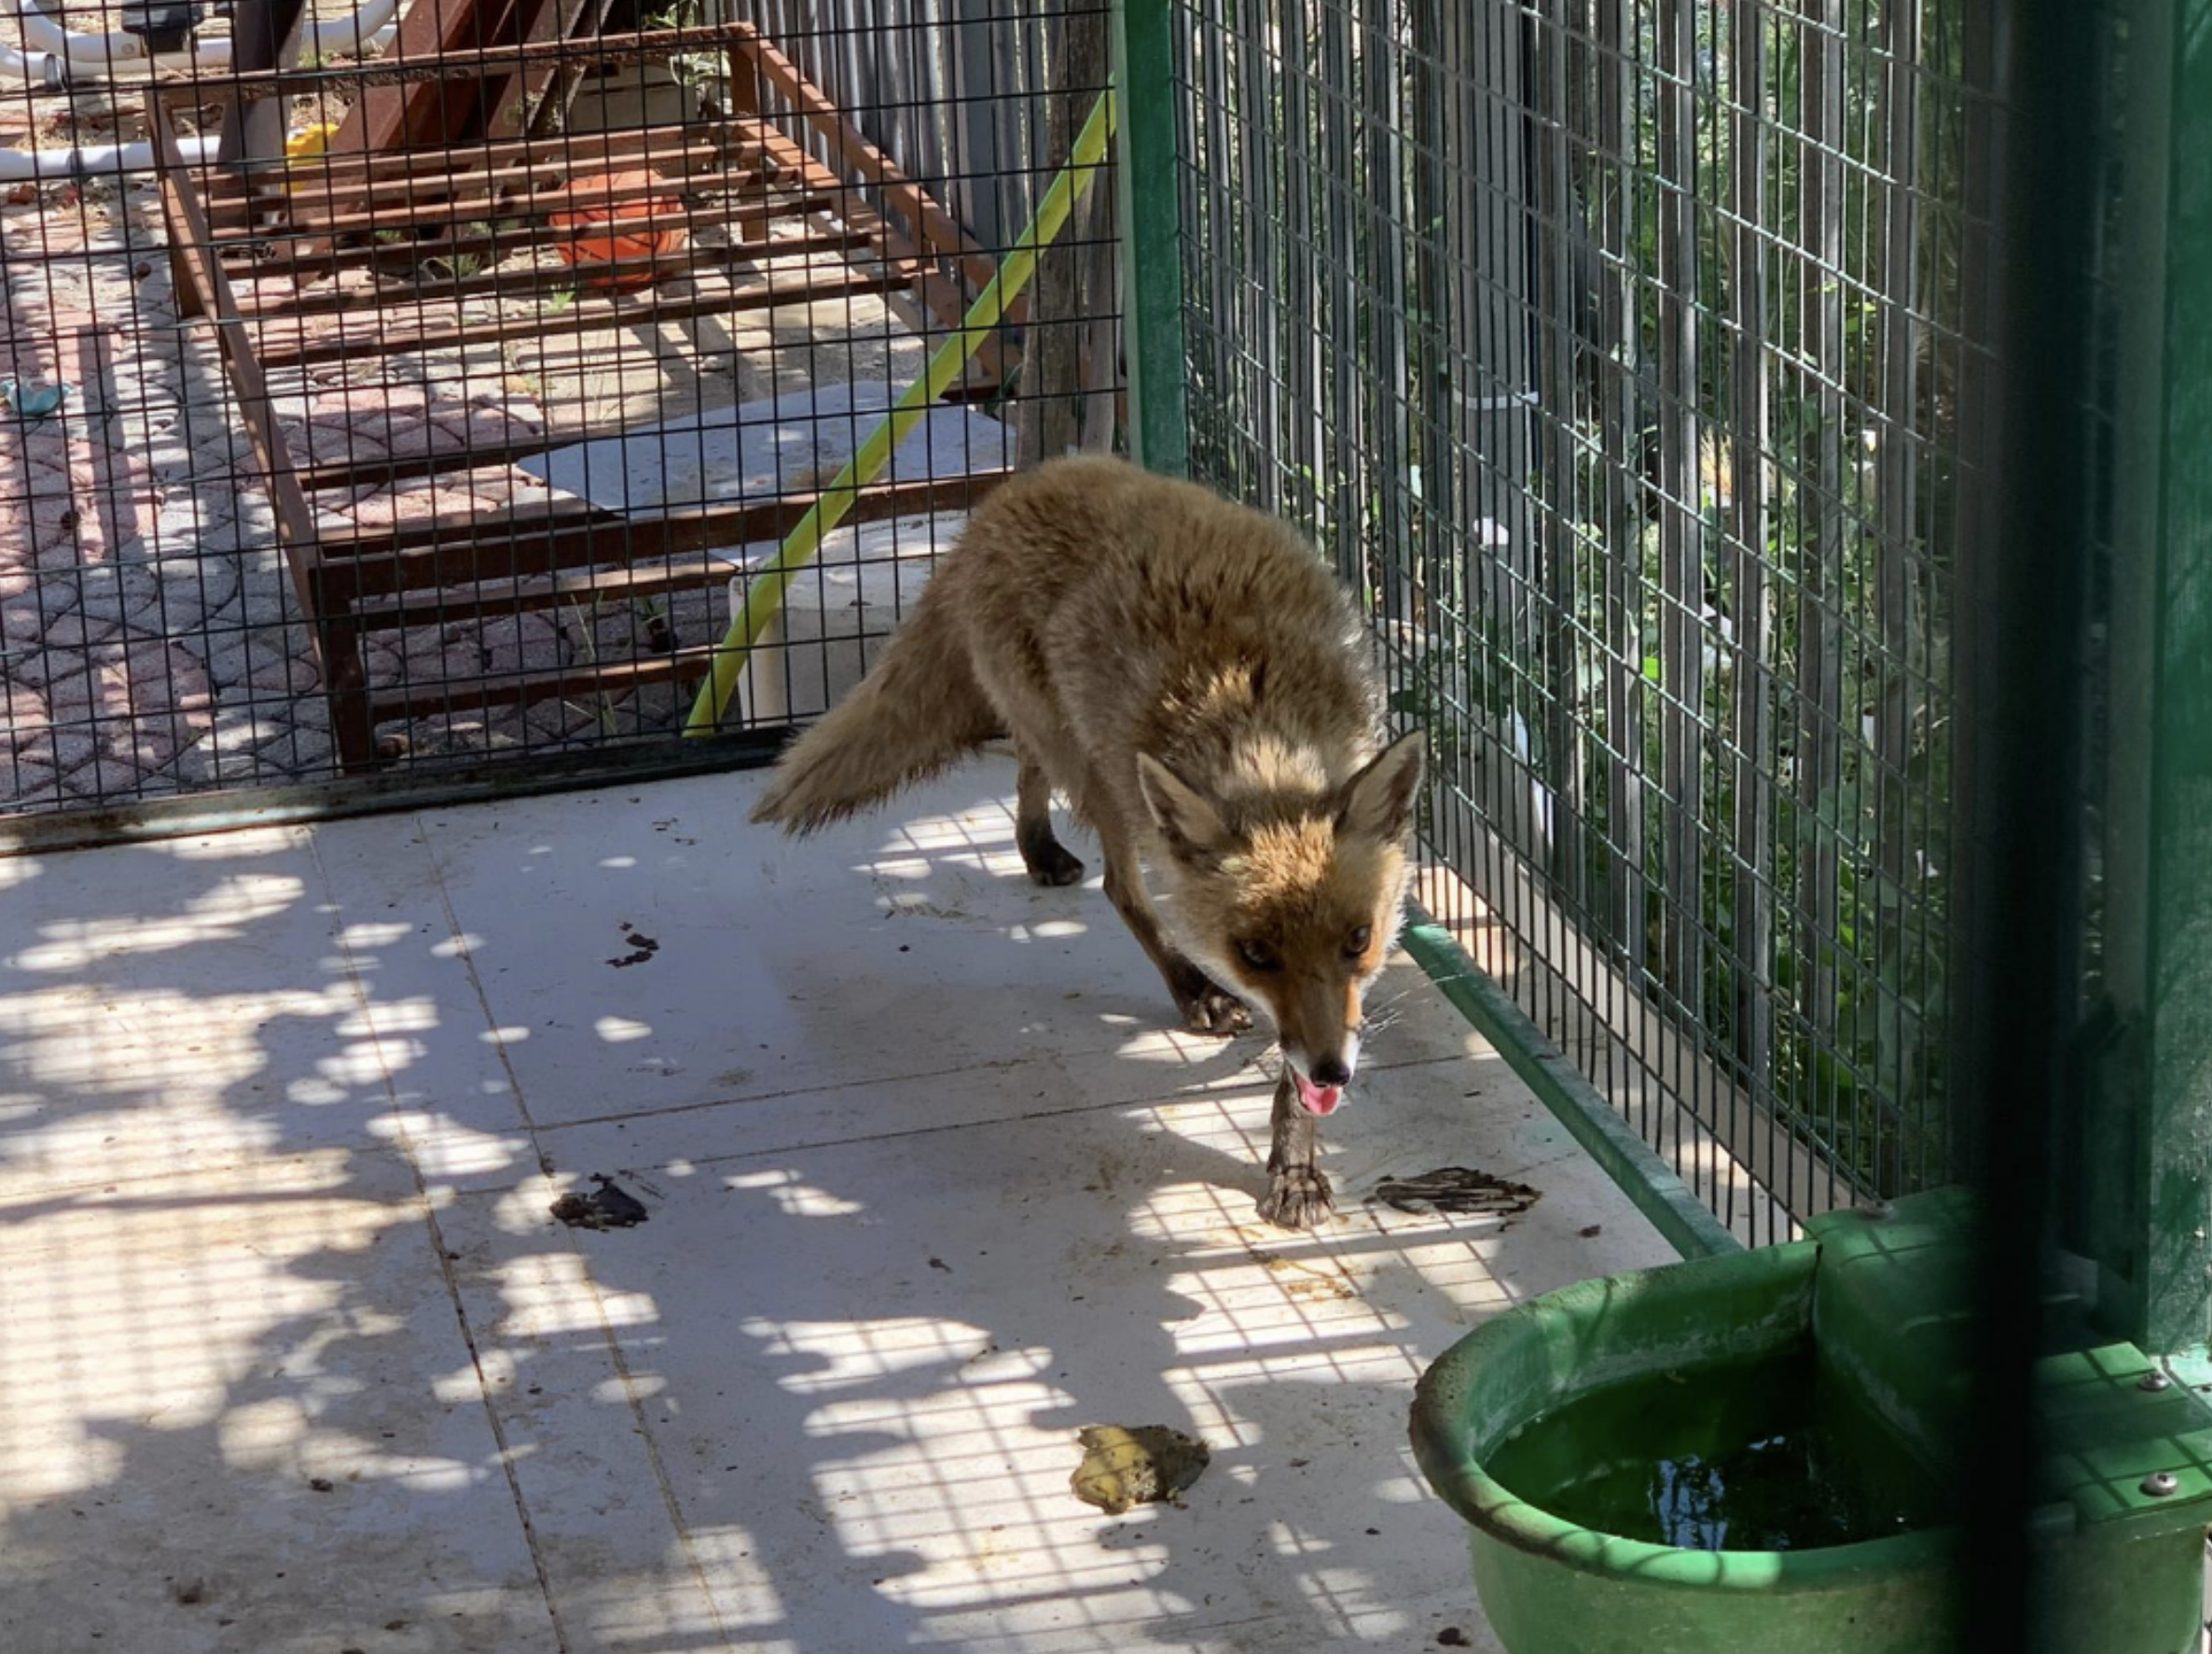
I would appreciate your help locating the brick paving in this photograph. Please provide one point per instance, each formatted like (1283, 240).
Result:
(150, 640)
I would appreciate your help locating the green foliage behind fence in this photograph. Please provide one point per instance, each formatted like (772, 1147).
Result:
(1617, 349)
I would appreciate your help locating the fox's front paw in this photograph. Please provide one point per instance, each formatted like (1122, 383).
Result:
(1051, 863)
(1205, 1009)
(1298, 1197)
(1212, 1011)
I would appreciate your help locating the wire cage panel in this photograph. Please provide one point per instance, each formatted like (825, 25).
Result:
(1615, 350)
(428, 385)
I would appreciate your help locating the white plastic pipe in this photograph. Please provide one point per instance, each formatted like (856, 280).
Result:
(123, 56)
(100, 160)
(89, 51)
(41, 69)
(372, 26)
(60, 69)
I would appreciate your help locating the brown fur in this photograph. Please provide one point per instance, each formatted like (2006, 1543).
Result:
(1192, 678)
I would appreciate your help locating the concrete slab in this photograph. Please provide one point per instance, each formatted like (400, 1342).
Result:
(931, 1185)
(936, 954)
(174, 1007)
(242, 1414)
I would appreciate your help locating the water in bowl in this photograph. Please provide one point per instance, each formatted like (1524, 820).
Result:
(1765, 1455)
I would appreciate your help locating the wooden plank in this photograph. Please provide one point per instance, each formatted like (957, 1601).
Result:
(655, 577)
(245, 260)
(940, 296)
(343, 674)
(395, 70)
(745, 198)
(341, 551)
(213, 295)
(524, 688)
(511, 102)
(470, 551)
(432, 204)
(579, 152)
(650, 306)
(648, 577)
(436, 111)
(550, 279)
(309, 200)
(935, 229)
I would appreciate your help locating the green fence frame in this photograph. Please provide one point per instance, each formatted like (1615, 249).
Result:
(1496, 300)
(1698, 244)
(1151, 237)
(2145, 1210)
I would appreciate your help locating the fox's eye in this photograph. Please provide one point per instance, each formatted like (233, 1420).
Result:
(1356, 944)
(1259, 956)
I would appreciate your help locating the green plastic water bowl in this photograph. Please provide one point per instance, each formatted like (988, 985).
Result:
(1858, 1324)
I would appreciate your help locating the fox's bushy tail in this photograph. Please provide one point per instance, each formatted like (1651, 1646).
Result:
(920, 712)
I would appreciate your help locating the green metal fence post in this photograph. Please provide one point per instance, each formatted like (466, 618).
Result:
(1149, 205)
(2155, 1106)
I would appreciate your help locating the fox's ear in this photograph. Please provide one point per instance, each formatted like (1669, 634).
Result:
(1186, 818)
(1377, 803)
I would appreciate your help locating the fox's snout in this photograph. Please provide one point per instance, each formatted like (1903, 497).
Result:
(1321, 1088)
(1321, 1060)
(1331, 1071)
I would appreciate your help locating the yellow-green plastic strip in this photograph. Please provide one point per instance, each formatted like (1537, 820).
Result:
(765, 590)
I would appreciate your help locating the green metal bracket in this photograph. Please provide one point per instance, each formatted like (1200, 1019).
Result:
(1150, 212)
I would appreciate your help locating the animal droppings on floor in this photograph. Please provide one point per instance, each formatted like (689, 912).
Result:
(612, 1207)
(1125, 1464)
(1457, 1190)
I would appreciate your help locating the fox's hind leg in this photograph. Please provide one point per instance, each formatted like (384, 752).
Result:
(1048, 859)
(1206, 1008)
(1298, 1194)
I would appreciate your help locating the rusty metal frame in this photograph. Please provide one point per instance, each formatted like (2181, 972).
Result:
(251, 221)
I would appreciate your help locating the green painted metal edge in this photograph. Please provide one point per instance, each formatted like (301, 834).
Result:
(1148, 205)
(2144, 1206)
(2176, 849)
(1689, 1226)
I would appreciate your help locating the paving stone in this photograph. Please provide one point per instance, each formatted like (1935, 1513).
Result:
(24, 780)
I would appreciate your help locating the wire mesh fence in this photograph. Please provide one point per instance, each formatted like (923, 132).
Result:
(1616, 349)
(424, 385)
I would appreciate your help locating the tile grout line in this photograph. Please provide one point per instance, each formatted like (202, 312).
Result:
(1022, 1117)
(692, 1559)
(468, 963)
(1012, 1064)
(442, 1255)
(608, 1337)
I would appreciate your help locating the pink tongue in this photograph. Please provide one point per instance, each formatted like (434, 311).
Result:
(1319, 1099)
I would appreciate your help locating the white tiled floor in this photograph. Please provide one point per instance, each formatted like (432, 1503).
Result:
(295, 1360)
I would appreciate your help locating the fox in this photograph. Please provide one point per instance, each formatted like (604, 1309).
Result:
(1195, 683)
